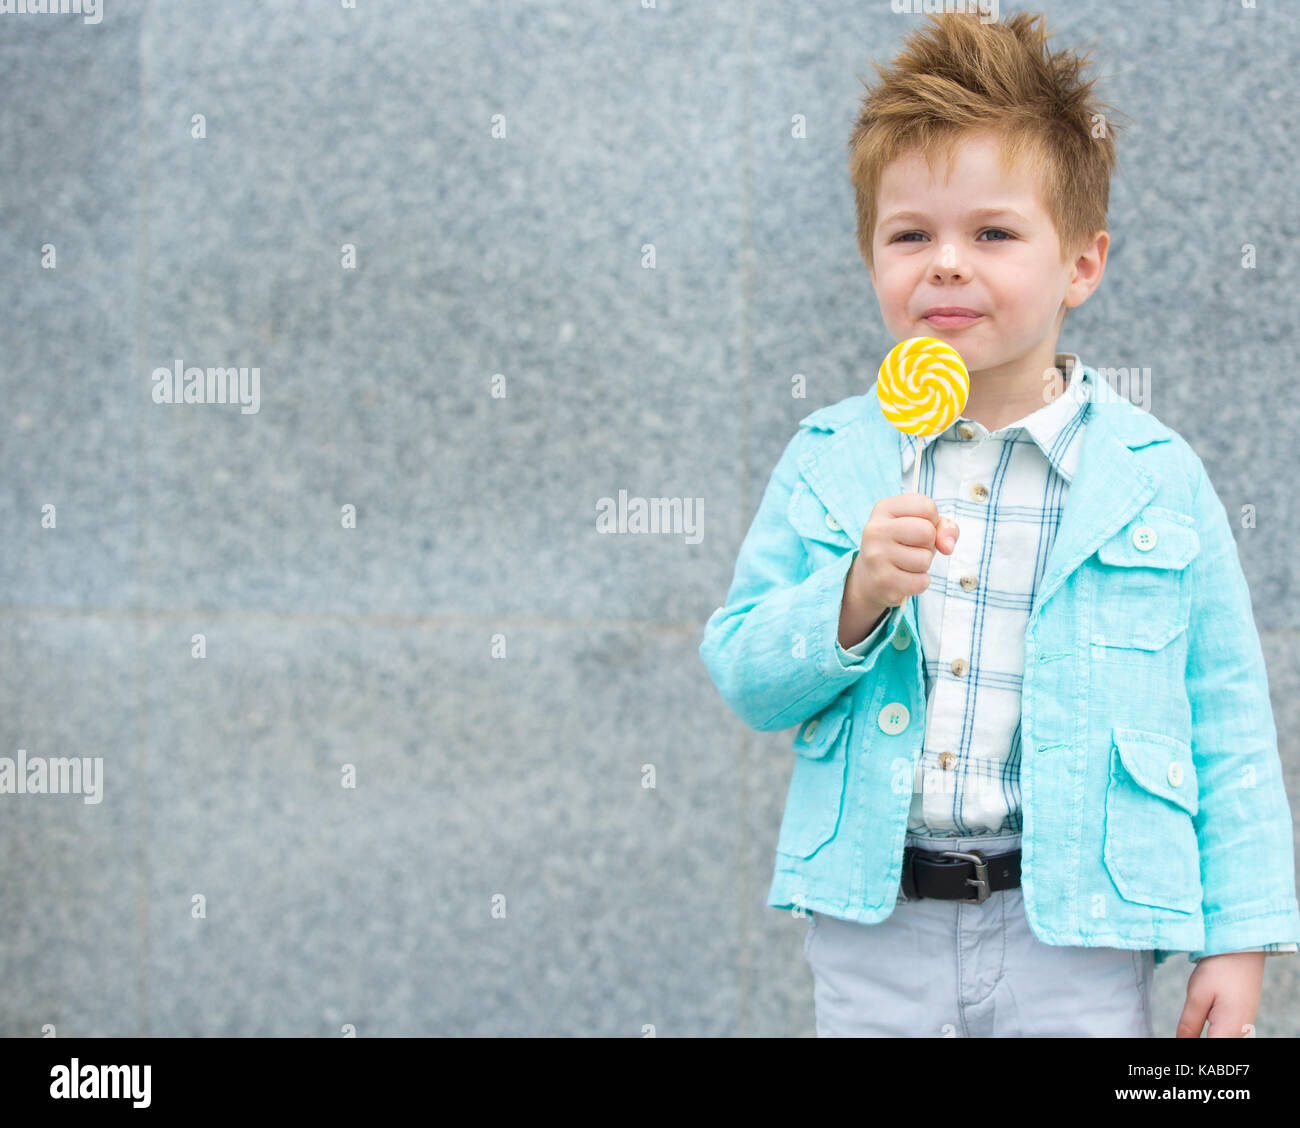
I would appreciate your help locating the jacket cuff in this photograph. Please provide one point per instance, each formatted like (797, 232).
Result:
(1268, 950)
(880, 634)
(1265, 930)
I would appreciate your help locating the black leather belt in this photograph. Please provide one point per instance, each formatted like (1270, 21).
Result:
(954, 874)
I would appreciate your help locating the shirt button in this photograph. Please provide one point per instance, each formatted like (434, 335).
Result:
(1144, 538)
(979, 491)
(831, 523)
(959, 667)
(969, 583)
(893, 718)
(809, 729)
(947, 760)
(965, 430)
(903, 638)
(1175, 772)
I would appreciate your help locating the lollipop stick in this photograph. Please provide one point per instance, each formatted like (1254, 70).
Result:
(916, 481)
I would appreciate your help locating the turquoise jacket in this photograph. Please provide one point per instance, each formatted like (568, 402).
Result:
(1154, 812)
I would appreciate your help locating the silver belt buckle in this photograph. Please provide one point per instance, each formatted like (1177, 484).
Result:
(980, 880)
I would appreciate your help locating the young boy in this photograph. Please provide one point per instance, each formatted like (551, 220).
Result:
(1035, 752)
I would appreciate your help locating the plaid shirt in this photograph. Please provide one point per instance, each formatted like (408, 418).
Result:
(1006, 491)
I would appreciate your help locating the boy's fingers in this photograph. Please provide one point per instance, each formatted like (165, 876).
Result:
(913, 505)
(947, 534)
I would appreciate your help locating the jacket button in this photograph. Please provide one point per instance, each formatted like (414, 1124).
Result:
(831, 523)
(893, 718)
(1144, 538)
(1175, 772)
(809, 729)
(969, 583)
(959, 667)
(965, 430)
(979, 491)
(902, 637)
(947, 760)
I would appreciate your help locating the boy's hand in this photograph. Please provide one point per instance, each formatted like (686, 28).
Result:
(898, 544)
(1225, 989)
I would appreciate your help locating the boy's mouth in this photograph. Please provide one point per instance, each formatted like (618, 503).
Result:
(951, 317)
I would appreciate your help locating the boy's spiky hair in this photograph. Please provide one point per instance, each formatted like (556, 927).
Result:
(957, 75)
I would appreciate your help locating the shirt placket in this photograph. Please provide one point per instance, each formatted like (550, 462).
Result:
(964, 465)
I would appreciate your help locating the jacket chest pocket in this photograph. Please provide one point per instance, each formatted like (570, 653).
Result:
(824, 539)
(1151, 850)
(812, 804)
(1141, 597)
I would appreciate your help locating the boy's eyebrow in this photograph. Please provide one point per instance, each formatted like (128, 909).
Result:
(977, 212)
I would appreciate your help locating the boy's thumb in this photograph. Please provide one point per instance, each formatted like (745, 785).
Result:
(948, 533)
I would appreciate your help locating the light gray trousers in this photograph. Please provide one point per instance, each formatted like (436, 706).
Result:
(942, 969)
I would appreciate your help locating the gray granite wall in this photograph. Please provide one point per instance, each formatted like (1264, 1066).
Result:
(378, 702)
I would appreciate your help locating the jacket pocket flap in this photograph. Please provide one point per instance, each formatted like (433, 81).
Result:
(809, 517)
(817, 736)
(1159, 764)
(1157, 538)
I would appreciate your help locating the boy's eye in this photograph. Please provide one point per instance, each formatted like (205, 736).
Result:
(998, 230)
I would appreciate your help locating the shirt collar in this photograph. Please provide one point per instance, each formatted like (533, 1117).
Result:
(1054, 427)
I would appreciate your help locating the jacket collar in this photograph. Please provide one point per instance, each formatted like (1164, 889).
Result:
(860, 462)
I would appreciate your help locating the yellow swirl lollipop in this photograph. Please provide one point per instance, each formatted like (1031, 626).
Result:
(922, 386)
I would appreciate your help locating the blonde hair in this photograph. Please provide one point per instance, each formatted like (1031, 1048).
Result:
(957, 76)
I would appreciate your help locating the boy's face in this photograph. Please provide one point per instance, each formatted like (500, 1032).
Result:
(1005, 267)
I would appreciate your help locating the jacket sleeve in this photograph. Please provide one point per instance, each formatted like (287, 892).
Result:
(773, 648)
(1244, 824)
